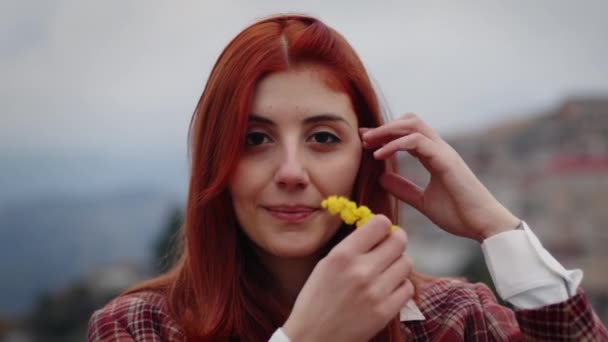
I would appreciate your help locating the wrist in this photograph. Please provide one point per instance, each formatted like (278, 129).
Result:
(292, 332)
(502, 224)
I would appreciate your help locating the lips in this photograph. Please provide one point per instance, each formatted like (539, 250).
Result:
(291, 213)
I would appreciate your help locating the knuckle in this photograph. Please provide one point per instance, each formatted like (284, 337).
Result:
(339, 257)
(381, 220)
(359, 276)
(404, 292)
(409, 288)
(402, 269)
(402, 143)
(379, 312)
(400, 237)
(372, 295)
(407, 267)
(416, 136)
(409, 116)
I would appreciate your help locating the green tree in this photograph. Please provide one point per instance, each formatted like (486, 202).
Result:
(62, 316)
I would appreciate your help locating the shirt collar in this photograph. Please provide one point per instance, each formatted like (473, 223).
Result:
(410, 312)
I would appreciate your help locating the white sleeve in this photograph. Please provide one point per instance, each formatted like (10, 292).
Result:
(524, 273)
(279, 336)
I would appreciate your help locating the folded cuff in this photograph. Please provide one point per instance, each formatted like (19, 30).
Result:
(518, 262)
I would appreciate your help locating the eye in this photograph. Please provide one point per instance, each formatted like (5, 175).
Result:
(256, 138)
(325, 138)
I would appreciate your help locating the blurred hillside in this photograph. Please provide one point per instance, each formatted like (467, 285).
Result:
(46, 244)
(550, 170)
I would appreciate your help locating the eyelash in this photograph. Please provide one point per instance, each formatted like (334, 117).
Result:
(249, 135)
(266, 139)
(329, 135)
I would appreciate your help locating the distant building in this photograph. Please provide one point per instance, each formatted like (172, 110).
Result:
(552, 171)
(567, 203)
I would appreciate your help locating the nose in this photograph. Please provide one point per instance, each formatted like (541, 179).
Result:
(291, 173)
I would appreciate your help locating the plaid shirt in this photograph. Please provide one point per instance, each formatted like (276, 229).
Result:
(453, 311)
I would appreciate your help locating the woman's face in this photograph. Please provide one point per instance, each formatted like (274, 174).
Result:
(302, 145)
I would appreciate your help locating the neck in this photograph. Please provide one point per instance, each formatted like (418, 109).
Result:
(290, 273)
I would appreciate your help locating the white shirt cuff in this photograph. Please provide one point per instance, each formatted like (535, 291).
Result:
(524, 273)
(279, 336)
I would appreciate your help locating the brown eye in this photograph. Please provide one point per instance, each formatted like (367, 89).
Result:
(325, 138)
(256, 138)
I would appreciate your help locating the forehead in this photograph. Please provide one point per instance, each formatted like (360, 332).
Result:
(300, 93)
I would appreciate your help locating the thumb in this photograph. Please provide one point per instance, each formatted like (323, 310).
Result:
(402, 188)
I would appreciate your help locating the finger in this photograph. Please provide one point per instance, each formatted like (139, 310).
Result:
(362, 130)
(389, 280)
(398, 298)
(381, 141)
(417, 144)
(364, 238)
(402, 188)
(379, 136)
(421, 126)
(408, 124)
(385, 253)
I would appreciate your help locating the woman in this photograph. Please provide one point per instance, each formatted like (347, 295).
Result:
(287, 118)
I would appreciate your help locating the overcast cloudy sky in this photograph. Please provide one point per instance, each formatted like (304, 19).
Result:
(122, 77)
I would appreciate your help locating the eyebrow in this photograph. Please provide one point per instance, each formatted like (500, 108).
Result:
(309, 120)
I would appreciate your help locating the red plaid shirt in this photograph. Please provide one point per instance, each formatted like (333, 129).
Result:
(453, 311)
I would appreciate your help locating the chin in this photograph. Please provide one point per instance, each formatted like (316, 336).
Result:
(297, 248)
(295, 253)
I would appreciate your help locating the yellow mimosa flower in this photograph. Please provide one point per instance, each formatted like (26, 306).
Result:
(348, 211)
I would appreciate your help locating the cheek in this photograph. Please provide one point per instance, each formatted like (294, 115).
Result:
(337, 174)
(247, 182)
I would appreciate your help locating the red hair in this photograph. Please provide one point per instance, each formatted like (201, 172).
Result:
(216, 290)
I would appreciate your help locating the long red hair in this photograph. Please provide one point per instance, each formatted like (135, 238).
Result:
(216, 290)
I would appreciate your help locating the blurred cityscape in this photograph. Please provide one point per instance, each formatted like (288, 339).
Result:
(550, 170)
(63, 257)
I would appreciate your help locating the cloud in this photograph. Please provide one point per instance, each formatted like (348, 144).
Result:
(124, 76)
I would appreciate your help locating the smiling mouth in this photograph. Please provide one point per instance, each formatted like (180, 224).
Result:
(291, 214)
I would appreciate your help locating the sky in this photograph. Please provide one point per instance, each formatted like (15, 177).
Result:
(122, 77)
(98, 95)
